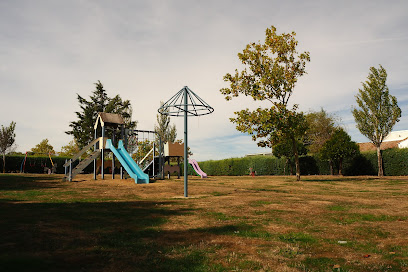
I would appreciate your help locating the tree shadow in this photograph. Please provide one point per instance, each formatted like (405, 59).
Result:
(28, 182)
(117, 236)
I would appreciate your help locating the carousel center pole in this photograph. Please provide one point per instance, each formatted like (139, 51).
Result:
(185, 144)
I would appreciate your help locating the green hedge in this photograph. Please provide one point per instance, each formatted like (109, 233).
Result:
(37, 164)
(395, 163)
(33, 164)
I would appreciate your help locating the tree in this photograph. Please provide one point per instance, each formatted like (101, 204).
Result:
(165, 132)
(284, 149)
(43, 147)
(70, 149)
(271, 72)
(337, 148)
(321, 127)
(378, 110)
(7, 139)
(83, 128)
(143, 148)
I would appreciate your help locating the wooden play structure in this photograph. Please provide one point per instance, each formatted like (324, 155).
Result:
(172, 150)
(105, 121)
(109, 132)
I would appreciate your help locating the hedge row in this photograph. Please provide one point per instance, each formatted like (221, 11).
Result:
(33, 164)
(395, 163)
(41, 164)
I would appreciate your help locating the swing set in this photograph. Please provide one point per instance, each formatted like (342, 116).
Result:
(32, 162)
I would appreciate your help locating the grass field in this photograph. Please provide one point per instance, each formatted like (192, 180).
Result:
(322, 223)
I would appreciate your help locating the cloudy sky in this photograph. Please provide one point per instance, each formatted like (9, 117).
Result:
(146, 51)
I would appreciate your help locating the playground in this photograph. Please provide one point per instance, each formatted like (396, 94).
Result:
(262, 223)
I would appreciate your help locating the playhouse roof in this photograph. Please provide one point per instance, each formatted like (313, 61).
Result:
(108, 119)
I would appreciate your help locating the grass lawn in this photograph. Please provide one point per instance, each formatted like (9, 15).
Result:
(322, 223)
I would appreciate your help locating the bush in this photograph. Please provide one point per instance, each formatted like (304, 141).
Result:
(395, 164)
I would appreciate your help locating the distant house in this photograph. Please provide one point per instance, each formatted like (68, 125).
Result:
(396, 139)
(259, 154)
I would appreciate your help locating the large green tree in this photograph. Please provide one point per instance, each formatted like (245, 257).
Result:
(321, 126)
(44, 147)
(284, 149)
(83, 128)
(337, 148)
(7, 139)
(377, 110)
(271, 71)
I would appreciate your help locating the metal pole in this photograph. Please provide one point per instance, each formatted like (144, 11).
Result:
(103, 154)
(70, 170)
(113, 155)
(123, 137)
(185, 144)
(95, 147)
(154, 154)
(161, 163)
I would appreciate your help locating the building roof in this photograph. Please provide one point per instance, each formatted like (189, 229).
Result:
(391, 141)
(108, 119)
(385, 145)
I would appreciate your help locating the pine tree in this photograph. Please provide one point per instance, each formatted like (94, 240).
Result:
(83, 128)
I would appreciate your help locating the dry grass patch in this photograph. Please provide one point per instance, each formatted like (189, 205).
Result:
(324, 223)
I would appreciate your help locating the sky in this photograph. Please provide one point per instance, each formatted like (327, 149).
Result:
(146, 51)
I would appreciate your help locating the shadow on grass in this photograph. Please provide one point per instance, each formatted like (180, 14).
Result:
(113, 236)
(28, 182)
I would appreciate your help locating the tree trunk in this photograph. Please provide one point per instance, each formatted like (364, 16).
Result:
(340, 166)
(331, 167)
(295, 152)
(4, 163)
(290, 167)
(380, 164)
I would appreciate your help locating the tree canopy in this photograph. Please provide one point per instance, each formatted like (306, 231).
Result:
(284, 149)
(83, 128)
(165, 131)
(271, 71)
(321, 127)
(377, 110)
(43, 147)
(339, 147)
(70, 149)
(7, 139)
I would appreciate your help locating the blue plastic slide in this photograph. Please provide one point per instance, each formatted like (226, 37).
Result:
(127, 162)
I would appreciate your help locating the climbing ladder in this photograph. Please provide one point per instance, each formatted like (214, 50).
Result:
(69, 175)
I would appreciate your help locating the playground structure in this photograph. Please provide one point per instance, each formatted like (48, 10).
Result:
(113, 124)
